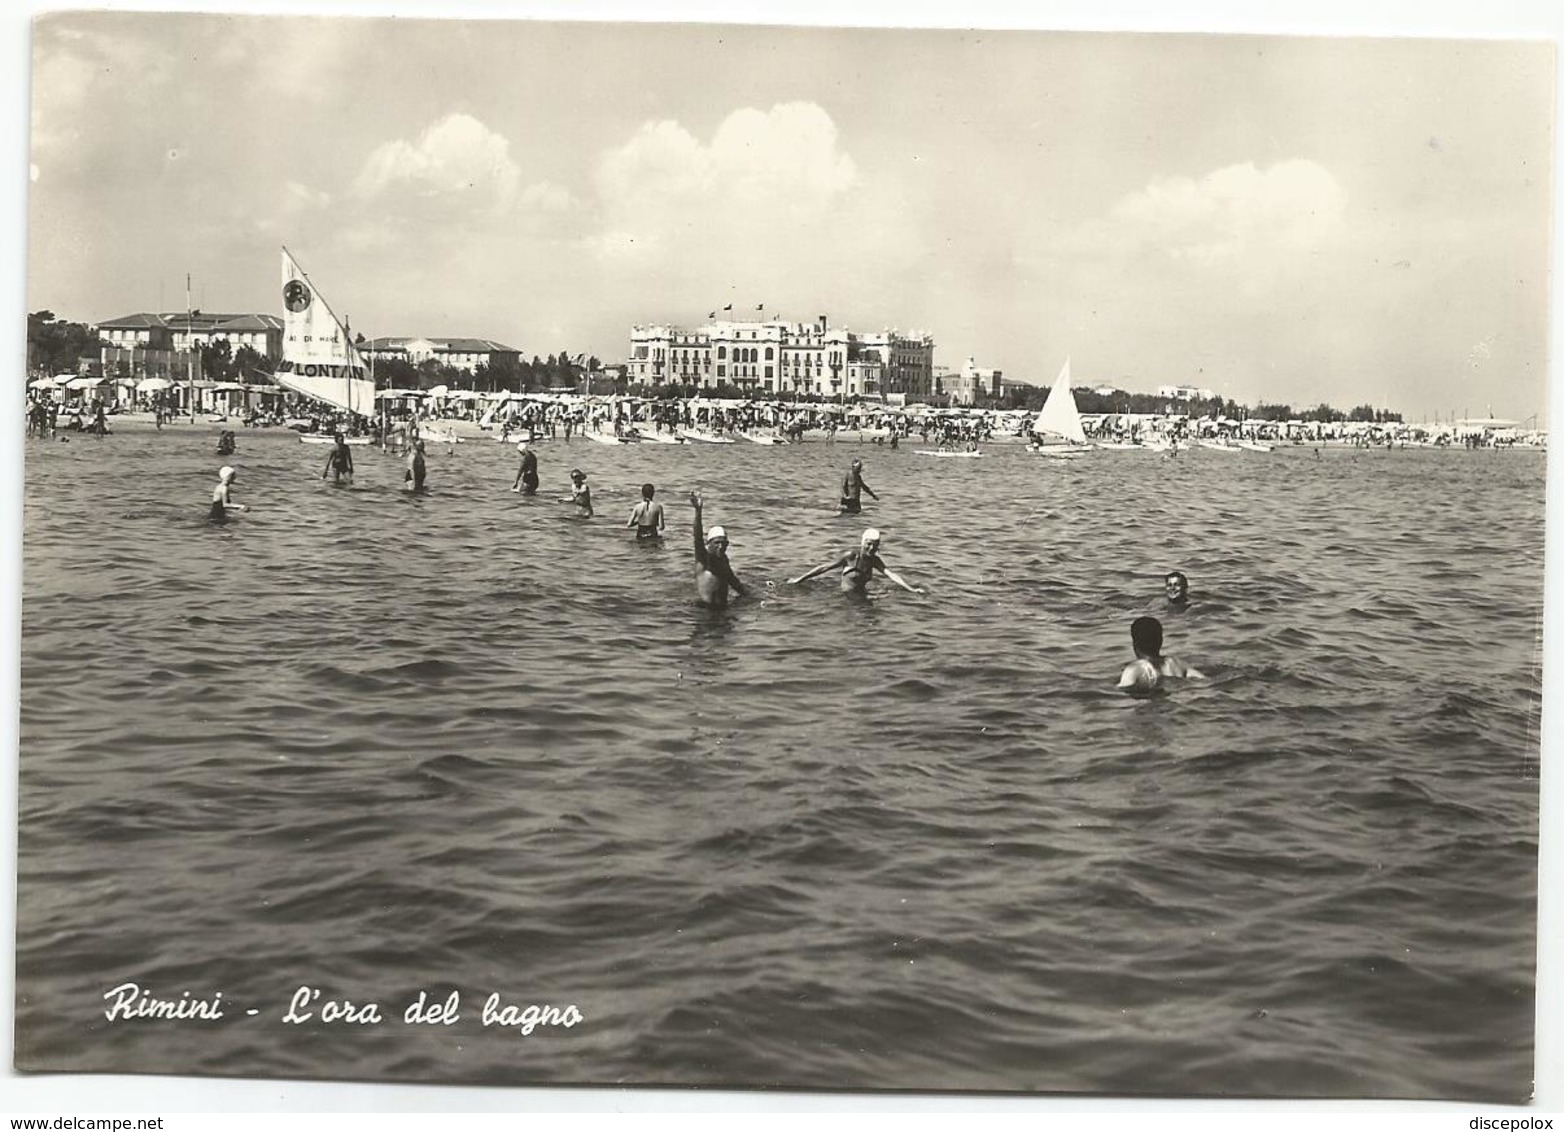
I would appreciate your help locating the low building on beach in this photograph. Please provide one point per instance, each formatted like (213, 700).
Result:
(465, 354)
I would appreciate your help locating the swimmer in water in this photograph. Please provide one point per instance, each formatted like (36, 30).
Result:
(858, 567)
(647, 518)
(221, 498)
(527, 476)
(713, 572)
(417, 469)
(1176, 586)
(340, 462)
(852, 484)
(1150, 668)
(580, 494)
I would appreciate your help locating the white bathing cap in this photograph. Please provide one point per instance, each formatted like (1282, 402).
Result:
(226, 473)
(716, 532)
(870, 535)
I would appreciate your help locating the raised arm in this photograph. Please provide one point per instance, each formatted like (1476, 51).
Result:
(700, 541)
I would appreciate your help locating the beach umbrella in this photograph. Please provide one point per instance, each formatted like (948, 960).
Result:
(153, 385)
(43, 383)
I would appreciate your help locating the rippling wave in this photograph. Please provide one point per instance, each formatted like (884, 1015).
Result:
(377, 744)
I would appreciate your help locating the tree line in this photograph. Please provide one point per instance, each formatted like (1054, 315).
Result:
(1091, 403)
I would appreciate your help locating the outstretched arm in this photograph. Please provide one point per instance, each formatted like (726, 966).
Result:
(869, 489)
(900, 581)
(834, 564)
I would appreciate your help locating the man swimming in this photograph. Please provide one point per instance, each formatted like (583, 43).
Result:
(221, 500)
(647, 518)
(852, 484)
(858, 567)
(340, 462)
(1150, 668)
(713, 572)
(580, 494)
(1177, 588)
(527, 475)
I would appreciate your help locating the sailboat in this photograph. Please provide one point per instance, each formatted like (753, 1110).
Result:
(319, 360)
(1060, 421)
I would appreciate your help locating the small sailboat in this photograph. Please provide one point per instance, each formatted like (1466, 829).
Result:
(1058, 427)
(319, 360)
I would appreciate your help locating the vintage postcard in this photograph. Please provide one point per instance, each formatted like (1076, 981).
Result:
(734, 556)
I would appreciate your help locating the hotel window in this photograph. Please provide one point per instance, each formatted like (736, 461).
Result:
(722, 371)
(722, 352)
(768, 369)
(768, 353)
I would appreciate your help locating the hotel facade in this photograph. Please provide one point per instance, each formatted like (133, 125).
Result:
(775, 357)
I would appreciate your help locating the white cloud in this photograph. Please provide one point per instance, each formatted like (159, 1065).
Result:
(298, 197)
(1233, 210)
(458, 154)
(780, 167)
(457, 161)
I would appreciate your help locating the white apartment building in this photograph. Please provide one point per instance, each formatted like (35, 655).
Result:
(1185, 393)
(780, 357)
(458, 353)
(971, 383)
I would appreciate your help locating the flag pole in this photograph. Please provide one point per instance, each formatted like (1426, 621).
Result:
(190, 347)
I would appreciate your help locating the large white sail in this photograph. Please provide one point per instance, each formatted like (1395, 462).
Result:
(318, 360)
(1060, 417)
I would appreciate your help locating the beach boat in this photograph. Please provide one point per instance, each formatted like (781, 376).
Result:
(659, 438)
(753, 439)
(948, 452)
(1059, 424)
(699, 437)
(327, 438)
(1254, 446)
(319, 359)
(1119, 446)
(608, 438)
(1220, 446)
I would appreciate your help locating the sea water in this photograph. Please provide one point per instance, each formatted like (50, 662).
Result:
(462, 756)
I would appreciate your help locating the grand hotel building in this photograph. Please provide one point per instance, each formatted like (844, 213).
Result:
(784, 357)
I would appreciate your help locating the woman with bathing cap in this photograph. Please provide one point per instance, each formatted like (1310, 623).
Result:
(527, 477)
(858, 566)
(220, 497)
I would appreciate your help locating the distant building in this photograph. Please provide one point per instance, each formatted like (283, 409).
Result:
(972, 384)
(465, 354)
(1185, 393)
(1105, 390)
(160, 344)
(782, 357)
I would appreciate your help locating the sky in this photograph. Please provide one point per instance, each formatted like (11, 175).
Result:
(1348, 220)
